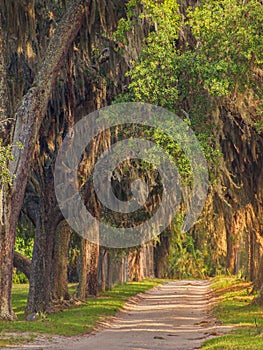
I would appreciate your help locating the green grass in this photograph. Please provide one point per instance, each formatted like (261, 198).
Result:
(14, 340)
(75, 320)
(235, 308)
(220, 283)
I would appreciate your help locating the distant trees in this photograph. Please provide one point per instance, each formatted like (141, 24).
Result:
(207, 60)
(69, 83)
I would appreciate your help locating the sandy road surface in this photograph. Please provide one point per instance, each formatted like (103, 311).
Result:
(175, 315)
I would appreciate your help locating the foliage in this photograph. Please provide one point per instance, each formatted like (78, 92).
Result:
(184, 259)
(5, 157)
(164, 75)
(24, 240)
(259, 126)
(167, 76)
(155, 76)
(126, 24)
(223, 56)
(229, 44)
(24, 245)
(191, 61)
(73, 257)
(77, 319)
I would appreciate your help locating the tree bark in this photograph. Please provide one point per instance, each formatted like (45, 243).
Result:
(40, 290)
(22, 263)
(28, 117)
(6, 255)
(161, 253)
(81, 293)
(39, 296)
(109, 280)
(7, 223)
(60, 263)
(230, 254)
(135, 265)
(93, 264)
(103, 277)
(88, 284)
(90, 251)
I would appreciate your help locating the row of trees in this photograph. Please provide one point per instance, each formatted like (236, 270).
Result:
(60, 63)
(206, 59)
(60, 60)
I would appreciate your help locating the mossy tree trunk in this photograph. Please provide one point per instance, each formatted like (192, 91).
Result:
(40, 290)
(89, 261)
(88, 284)
(29, 116)
(7, 223)
(161, 254)
(103, 255)
(135, 265)
(59, 288)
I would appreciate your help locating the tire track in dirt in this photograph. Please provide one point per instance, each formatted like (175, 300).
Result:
(174, 315)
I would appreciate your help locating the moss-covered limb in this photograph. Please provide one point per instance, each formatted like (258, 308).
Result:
(29, 116)
(3, 94)
(34, 104)
(4, 117)
(5, 207)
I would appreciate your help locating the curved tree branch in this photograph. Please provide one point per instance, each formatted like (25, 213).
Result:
(22, 263)
(34, 104)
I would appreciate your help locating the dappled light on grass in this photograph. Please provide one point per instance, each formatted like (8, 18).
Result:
(19, 299)
(235, 308)
(78, 319)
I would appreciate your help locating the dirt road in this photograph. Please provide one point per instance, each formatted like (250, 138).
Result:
(175, 315)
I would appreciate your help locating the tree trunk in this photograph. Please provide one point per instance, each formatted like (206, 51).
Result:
(103, 279)
(92, 269)
(7, 241)
(135, 266)
(7, 222)
(148, 260)
(161, 253)
(90, 251)
(22, 263)
(109, 281)
(40, 290)
(39, 296)
(60, 263)
(230, 253)
(81, 293)
(28, 120)
(88, 281)
(259, 280)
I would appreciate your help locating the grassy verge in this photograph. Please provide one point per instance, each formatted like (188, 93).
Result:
(73, 321)
(235, 308)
